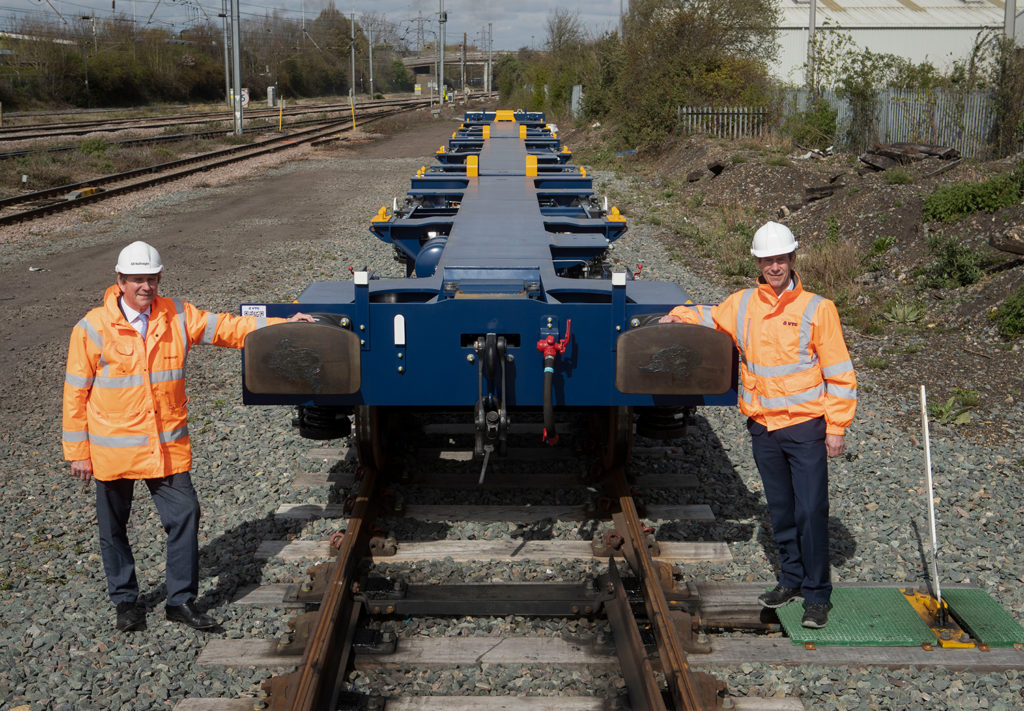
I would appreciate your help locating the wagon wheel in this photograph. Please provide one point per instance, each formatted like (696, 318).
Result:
(369, 440)
(618, 445)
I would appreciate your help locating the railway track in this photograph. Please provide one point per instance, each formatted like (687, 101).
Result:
(652, 638)
(156, 140)
(334, 638)
(78, 128)
(74, 195)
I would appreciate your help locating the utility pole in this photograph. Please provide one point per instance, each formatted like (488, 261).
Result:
(236, 69)
(85, 65)
(227, 59)
(463, 65)
(442, 18)
(1009, 20)
(352, 41)
(490, 64)
(370, 35)
(811, 82)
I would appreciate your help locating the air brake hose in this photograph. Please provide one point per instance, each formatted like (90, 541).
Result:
(550, 348)
(550, 435)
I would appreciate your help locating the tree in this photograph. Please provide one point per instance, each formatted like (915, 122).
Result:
(678, 52)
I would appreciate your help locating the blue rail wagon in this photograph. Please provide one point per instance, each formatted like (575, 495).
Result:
(508, 304)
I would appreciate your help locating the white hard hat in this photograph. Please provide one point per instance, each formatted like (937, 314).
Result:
(772, 239)
(139, 258)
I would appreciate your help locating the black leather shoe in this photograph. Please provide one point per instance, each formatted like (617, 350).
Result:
(130, 616)
(815, 615)
(189, 615)
(778, 597)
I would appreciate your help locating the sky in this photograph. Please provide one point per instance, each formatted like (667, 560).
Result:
(521, 23)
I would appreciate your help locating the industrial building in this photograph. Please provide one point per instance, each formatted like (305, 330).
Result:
(936, 31)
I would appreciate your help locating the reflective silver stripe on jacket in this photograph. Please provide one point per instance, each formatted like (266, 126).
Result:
(121, 381)
(741, 319)
(261, 321)
(126, 441)
(210, 330)
(706, 319)
(92, 333)
(807, 359)
(69, 436)
(180, 433)
(777, 403)
(77, 381)
(179, 308)
(167, 376)
(830, 371)
(845, 393)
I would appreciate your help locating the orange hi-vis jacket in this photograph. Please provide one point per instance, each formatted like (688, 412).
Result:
(124, 397)
(794, 365)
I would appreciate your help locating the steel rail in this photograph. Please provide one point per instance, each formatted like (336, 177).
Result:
(15, 133)
(690, 691)
(115, 177)
(316, 684)
(234, 154)
(168, 138)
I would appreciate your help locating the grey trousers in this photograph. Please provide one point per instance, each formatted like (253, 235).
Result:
(178, 505)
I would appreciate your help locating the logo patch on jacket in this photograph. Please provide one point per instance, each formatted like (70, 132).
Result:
(790, 323)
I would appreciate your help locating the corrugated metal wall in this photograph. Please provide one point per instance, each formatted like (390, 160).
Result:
(961, 120)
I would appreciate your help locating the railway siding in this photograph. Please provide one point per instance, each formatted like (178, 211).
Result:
(61, 650)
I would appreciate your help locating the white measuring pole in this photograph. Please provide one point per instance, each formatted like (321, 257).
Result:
(931, 497)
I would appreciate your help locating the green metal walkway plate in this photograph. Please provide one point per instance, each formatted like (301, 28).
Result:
(860, 617)
(983, 618)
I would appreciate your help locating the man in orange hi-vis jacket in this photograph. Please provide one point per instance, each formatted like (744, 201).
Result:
(124, 419)
(799, 394)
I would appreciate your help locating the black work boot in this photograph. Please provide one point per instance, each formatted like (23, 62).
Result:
(778, 597)
(189, 615)
(130, 616)
(815, 615)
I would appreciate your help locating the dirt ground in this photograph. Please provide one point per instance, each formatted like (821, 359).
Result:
(954, 346)
(51, 277)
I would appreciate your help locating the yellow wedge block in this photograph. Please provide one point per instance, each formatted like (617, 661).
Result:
(504, 115)
(522, 131)
(487, 131)
(472, 166)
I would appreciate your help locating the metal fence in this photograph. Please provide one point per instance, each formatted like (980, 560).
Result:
(725, 121)
(957, 119)
(960, 120)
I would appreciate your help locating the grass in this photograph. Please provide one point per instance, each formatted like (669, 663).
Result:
(876, 362)
(1009, 317)
(897, 176)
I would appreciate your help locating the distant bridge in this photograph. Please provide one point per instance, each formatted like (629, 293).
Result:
(424, 67)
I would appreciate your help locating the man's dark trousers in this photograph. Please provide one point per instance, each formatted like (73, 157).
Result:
(793, 463)
(178, 505)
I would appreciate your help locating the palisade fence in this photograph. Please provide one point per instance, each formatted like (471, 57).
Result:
(725, 121)
(957, 119)
(961, 120)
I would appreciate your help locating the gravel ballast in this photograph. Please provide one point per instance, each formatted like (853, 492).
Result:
(60, 650)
